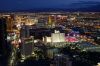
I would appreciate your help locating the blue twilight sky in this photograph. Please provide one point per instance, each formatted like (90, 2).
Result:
(31, 4)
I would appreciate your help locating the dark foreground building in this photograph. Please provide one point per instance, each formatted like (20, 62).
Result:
(3, 43)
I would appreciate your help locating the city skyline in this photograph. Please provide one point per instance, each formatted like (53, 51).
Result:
(50, 32)
(43, 37)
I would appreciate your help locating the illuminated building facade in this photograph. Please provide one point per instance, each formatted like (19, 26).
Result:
(57, 39)
(10, 23)
(27, 47)
(24, 31)
(41, 22)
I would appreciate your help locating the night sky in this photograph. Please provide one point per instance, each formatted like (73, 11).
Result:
(32, 4)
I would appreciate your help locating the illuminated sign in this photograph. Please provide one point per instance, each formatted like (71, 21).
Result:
(71, 39)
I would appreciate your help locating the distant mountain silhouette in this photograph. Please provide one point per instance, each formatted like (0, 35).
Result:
(83, 6)
(89, 6)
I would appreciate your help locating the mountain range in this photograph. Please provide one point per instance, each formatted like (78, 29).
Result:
(82, 6)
